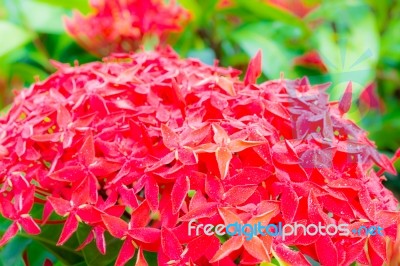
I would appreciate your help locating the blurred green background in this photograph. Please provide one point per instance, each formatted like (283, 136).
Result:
(329, 41)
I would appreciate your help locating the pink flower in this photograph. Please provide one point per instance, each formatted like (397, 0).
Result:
(141, 144)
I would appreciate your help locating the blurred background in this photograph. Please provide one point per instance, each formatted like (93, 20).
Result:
(328, 41)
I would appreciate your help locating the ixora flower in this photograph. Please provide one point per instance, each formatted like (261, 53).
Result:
(142, 145)
(122, 25)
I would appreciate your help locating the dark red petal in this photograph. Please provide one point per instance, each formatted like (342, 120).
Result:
(116, 226)
(170, 244)
(151, 191)
(326, 250)
(70, 226)
(61, 206)
(126, 253)
(87, 153)
(214, 187)
(238, 194)
(179, 193)
(145, 234)
(29, 225)
(68, 174)
(206, 210)
(140, 217)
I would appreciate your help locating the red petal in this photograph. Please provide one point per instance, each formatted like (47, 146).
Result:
(61, 206)
(206, 210)
(145, 234)
(223, 156)
(257, 249)
(100, 240)
(169, 137)
(254, 69)
(141, 261)
(63, 117)
(127, 252)
(68, 174)
(140, 217)
(29, 225)
(289, 204)
(240, 145)
(229, 217)
(151, 191)
(170, 244)
(179, 193)
(70, 226)
(227, 248)
(220, 135)
(238, 194)
(81, 194)
(115, 226)
(345, 101)
(248, 176)
(214, 188)
(10, 233)
(326, 251)
(87, 153)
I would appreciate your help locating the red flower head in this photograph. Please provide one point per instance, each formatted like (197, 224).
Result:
(143, 146)
(122, 25)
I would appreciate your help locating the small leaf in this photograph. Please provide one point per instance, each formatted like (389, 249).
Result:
(12, 37)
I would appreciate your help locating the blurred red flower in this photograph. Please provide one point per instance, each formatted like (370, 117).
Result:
(122, 25)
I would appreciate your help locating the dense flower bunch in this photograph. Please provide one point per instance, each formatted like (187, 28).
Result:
(122, 25)
(141, 144)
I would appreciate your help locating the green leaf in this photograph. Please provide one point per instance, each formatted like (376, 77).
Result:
(348, 43)
(276, 58)
(37, 254)
(28, 72)
(92, 255)
(263, 10)
(11, 254)
(49, 237)
(5, 110)
(81, 5)
(206, 55)
(12, 37)
(43, 18)
(193, 7)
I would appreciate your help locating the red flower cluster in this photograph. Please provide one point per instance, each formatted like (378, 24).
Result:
(142, 144)
(122, 25)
